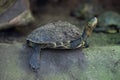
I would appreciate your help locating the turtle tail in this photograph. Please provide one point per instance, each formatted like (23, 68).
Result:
(35, 58)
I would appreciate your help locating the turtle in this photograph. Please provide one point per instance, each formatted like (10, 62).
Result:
(57, 35)
(108, 22)
(86, 11)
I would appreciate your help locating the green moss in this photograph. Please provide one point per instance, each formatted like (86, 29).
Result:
(103, 63)
(102, 39)
(76, 73)
(11, 67)
(57, 76)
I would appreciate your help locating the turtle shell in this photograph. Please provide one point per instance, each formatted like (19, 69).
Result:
(87, 10)
(60, 31)
(108, 19)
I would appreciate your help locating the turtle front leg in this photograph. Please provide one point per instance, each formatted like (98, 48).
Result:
(35, 58)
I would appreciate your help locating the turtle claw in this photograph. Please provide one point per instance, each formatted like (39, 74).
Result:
(86, 45)
(34, 65)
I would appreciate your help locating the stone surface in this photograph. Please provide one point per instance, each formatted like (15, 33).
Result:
(96, 63)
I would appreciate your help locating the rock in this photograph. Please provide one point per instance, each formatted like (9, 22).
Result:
(13, 11)
(23, 19)
(54, 63)
(96, 63)
(16, 16)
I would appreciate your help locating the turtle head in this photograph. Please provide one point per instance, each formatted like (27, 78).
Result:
(91, 24)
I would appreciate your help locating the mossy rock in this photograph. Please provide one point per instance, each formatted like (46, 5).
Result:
(96, 63)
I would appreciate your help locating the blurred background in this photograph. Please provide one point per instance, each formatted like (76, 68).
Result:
(12, 12)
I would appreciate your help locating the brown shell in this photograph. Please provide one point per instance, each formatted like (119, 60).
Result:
(55, 32)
